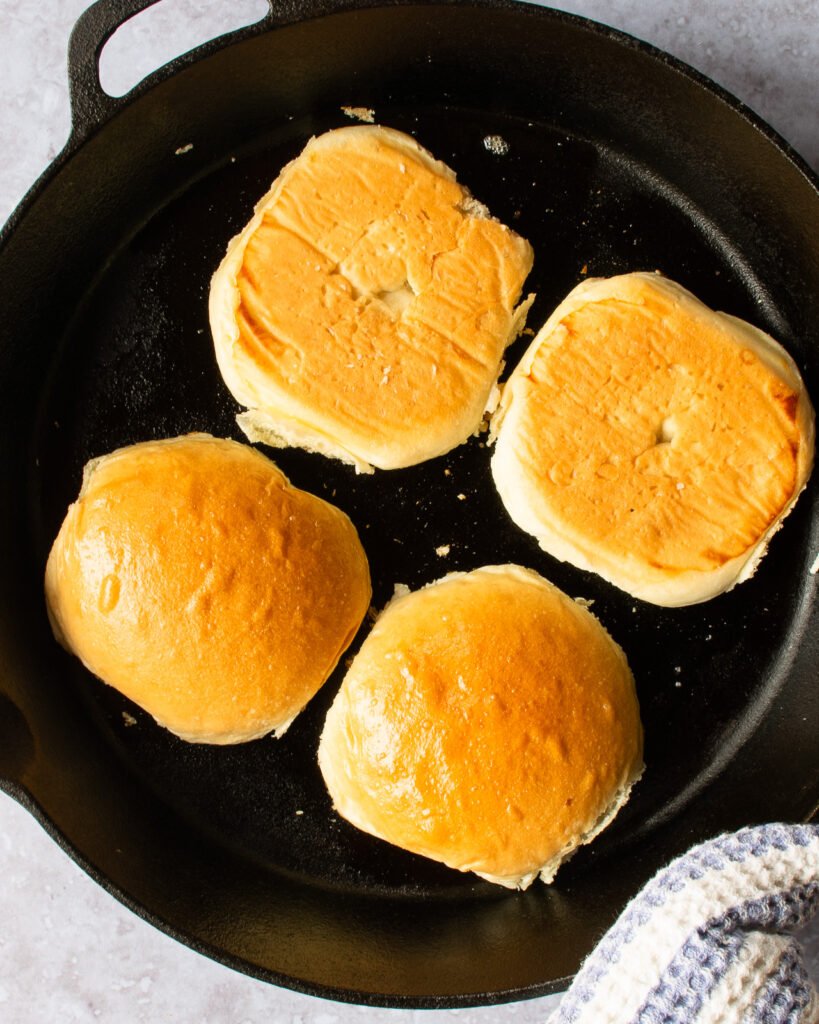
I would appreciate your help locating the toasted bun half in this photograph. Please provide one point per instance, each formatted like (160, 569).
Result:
(364, 310)
(190, 575)
(489, 722)
(651, 440)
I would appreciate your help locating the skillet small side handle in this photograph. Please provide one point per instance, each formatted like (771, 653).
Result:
(91, 105)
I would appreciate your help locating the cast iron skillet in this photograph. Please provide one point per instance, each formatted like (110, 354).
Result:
(619, 159)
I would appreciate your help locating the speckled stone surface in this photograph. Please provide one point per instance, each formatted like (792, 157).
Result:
(69, 953)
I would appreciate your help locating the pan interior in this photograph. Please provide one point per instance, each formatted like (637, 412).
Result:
(137, 362)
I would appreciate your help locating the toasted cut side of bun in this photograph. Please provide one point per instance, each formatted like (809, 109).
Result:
(364, 310)
(651, 440)
(489, 722)
(192, 577)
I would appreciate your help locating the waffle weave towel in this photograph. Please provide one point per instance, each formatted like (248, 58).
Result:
(707, 941)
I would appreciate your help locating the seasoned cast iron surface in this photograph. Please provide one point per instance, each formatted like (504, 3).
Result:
(137, 363)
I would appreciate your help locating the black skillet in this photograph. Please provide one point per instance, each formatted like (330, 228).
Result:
(619, 158)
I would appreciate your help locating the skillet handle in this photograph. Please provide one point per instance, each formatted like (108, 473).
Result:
(17, 746)
(91, 105)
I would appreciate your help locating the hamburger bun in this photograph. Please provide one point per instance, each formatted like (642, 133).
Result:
(489, 722)
(192, 577)
(364, 311)
(651, 440)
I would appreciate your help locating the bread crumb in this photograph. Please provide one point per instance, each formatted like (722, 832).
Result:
(496, 144)
(400, 590)
(299, 812)
(442, 550)
(584, 602)
(128, 720)
(461, 497)
(183, 149)
(469, 206)
(584, 269)
(360, 114)
(447, 472)
(492, 401)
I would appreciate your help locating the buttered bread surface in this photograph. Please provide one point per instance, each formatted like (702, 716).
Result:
(364, 311)
(190, 575)
(649, 439)
(489, 722)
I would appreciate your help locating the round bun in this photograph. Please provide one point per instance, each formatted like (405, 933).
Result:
(651, 440)
(190, 575)
(364, 311)
(489, 722)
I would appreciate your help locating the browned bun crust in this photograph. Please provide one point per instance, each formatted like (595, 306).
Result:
(190, 575)
(364, 310)
(652, 440)
(489, 722)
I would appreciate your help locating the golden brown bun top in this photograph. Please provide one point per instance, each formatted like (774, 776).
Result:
(190, 575)
(488, 721)
(364, 310)
(650, 439)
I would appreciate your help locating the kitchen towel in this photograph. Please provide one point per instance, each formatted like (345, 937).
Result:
(709, 939)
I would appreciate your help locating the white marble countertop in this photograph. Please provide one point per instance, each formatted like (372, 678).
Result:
(69, 953)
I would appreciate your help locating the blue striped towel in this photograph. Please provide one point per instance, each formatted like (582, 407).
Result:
(707, 939)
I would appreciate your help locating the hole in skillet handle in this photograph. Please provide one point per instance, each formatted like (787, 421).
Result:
(100, 77)
(166, 30)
